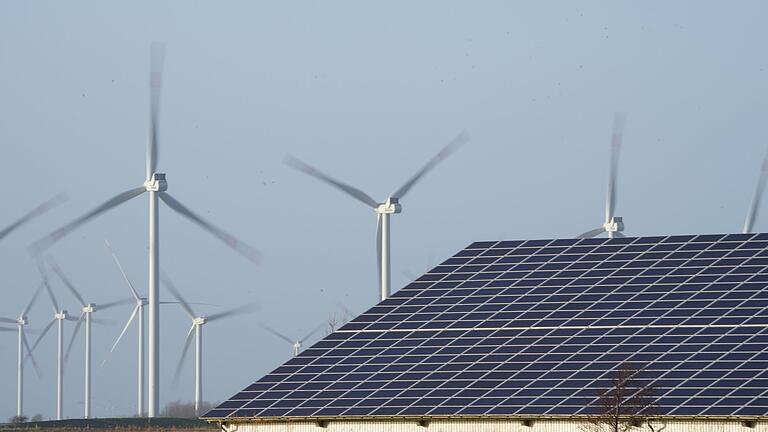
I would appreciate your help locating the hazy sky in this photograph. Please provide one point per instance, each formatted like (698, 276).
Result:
(366, 91)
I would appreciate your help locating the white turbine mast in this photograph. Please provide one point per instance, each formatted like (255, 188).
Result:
(85, 315)
(754, 206)
(613, 225)
(156, 186)
(296, 344)
(23, 344)
(37, 211)
(59, 316)
(197, 327)
(384, 209)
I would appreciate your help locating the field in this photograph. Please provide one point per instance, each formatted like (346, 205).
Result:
(115, 424)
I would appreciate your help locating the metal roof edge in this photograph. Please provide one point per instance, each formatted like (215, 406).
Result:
(462, 417)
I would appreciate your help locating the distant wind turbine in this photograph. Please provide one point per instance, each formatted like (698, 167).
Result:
(156, 186)
(197, 327)
(614, 225)
(23, 344)
(754, 206)
(383, 210)
(295, 344)
(37, 211)
(59, 316)
(87, 310)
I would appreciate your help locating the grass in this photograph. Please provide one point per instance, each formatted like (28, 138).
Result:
(115, 424)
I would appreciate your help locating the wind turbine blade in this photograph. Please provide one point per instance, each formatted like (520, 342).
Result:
(240, 310)
(312, 171)
(176, 294)
(6, 329)
(37, 211)
(378, 247)
(73, 337)
(183, 356)
(460, 139)
(125, 328)
(276, 333)
(48, 289)
(592, 233)
(33, 299)
(157, 58)
(108, 305)
(233, 242)
(66, 281)
(8, 320)
(122, 271)
(618, 235)
(754, 206)
(103, 321)
(37, 247)
(619, 121)
(312, 333)
(42, 335)
(38, 372)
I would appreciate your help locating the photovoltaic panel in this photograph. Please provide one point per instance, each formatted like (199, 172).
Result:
(538, 327)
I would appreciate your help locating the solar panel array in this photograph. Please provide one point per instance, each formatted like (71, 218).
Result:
(538, 327)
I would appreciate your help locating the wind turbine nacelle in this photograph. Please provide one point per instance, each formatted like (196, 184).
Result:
(22, 320)
(157, 183)
(389, 207)
(89, 308)
(61, 315)
(616, 224)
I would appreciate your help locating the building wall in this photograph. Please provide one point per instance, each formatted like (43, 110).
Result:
(511, 425)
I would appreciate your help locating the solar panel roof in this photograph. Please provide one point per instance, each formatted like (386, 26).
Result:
(537, 327)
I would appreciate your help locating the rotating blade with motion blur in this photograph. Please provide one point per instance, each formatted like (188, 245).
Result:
(33, 299)
(112, 304)
(8, 320)
(619, 121)
(177, 295)
(37, 211)
(754, 207)
(183, 356)
(460, 139)
(233, 242)
(73, 337)
(157, 58)
(276, 333)
(31, 357)
(41, 336)
(312, 333)
(312, 171)
(592, 233)
(37, 247)
(63, 277)
(240, 310)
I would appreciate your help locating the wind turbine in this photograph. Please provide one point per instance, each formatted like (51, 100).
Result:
(754, 206)
(138, 311)
(23, 344)
(295, 344)
(37, 211)
(87, 310)
(59, 316)
(613, 225)
(383, 210)
(197, 326)
(156, 186)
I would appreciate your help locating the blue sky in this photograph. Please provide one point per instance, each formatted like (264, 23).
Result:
(366, 91)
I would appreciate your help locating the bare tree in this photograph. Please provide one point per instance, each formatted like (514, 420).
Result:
(627, 403)
(332, 322)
